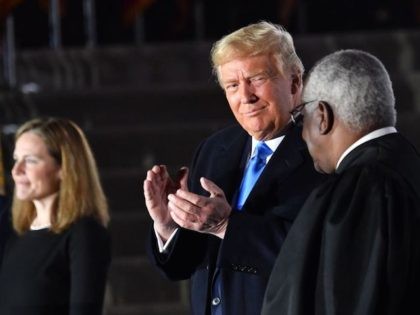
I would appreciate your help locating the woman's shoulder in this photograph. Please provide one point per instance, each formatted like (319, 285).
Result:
(88, 237)
(88, 227)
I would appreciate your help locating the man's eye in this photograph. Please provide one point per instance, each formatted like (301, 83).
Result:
(231, 87)
(258, 80)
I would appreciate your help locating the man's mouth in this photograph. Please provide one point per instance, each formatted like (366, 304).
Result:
(254, 112)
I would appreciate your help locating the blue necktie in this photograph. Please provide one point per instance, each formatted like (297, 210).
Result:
(252, 172)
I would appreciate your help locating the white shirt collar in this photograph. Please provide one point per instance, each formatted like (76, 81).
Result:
(370, 136)
(272, 144)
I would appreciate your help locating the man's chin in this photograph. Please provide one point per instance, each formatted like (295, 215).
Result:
(322, 169)
(258, 133)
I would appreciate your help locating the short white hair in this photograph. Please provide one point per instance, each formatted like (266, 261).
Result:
(357, 87)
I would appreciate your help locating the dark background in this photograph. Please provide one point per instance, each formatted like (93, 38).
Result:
(174, 20)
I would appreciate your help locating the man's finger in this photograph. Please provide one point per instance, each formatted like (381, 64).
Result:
(211, 187)
(184, 220)
(196, 200)
(184, 204)
(182, 178)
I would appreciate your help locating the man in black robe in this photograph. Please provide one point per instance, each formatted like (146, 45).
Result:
(355, 246)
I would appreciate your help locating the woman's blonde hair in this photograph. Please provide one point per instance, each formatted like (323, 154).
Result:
(80, 192)
(262, 38)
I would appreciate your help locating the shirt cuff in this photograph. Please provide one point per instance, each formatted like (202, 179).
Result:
(163, 247)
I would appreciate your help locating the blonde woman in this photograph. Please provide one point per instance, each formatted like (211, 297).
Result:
(58, 261)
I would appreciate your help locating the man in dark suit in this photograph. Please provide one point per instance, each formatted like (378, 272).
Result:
(220, 231)
(355, 247)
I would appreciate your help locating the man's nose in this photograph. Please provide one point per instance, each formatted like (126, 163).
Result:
(247, 93)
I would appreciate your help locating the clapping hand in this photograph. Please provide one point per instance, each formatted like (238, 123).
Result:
(199, 213)
(157, 186)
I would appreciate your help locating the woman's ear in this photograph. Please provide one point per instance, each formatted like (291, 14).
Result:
(326, 116)
(60, 174)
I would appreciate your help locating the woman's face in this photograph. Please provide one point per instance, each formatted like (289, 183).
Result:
(36, 173)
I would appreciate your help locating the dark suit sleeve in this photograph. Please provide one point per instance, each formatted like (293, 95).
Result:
(186, 250)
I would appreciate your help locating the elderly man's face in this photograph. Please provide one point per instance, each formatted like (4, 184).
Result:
(260, 97)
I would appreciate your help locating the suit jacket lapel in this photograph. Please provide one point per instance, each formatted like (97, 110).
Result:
(232, 157)
(285, 160)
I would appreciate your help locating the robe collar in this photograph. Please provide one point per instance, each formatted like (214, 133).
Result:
(370, 136)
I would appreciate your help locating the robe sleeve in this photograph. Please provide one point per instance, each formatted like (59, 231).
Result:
(367, 246)
(354, 249)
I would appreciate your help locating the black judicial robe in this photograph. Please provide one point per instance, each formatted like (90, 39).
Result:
(355, 246)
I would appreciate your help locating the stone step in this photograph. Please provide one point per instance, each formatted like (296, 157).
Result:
(166, 64)
(143, 147)
(160, 309)
(409, 125)
(134, 281)
(78, 68)
(413, 39)
(124, 189)
(389, 47)
(129, 232)
(126, 106)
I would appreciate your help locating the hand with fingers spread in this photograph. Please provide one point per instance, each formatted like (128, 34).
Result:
(157, 186)
(199, 213)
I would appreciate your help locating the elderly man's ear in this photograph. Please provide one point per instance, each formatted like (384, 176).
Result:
(296, 86)
(326, 116)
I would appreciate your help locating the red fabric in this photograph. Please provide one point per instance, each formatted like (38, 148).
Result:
(132, 8)
(6, 6)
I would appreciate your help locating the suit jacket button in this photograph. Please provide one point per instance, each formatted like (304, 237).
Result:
(215, 301)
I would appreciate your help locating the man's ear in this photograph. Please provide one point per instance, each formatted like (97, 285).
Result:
(327, 117)
(296, 86)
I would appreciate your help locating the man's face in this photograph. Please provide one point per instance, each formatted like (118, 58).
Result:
(259, 95)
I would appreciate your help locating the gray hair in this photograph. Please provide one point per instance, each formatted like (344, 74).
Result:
(262, 38)
(357, 87)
